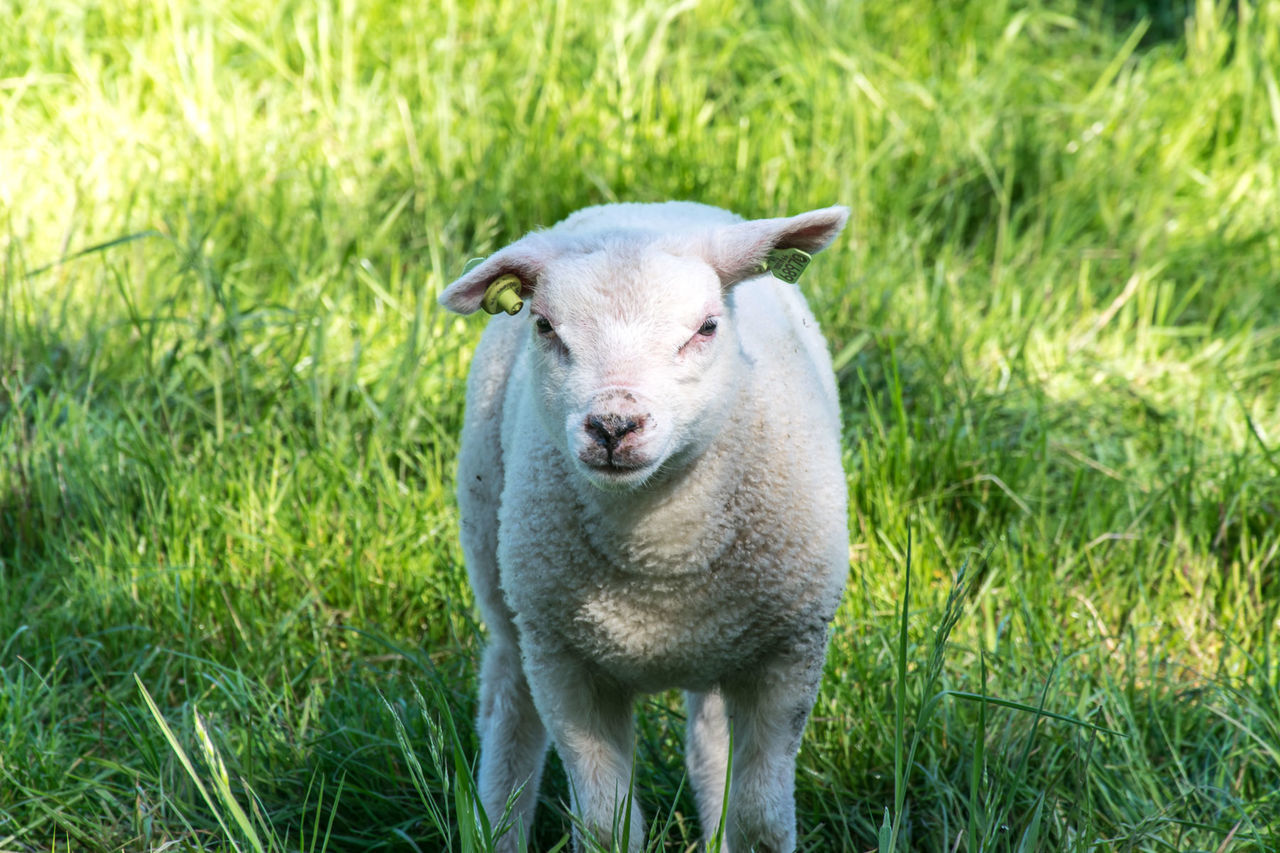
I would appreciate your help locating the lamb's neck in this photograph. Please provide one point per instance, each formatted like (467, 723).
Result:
(674, 526)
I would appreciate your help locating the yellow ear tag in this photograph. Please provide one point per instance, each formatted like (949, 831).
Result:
(787, 264)
(503, 294)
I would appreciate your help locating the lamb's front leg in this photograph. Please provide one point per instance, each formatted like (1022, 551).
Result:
(767, 715)
(590, 720)
(706, 754)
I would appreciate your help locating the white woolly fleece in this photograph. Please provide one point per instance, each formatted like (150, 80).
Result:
(652, 497)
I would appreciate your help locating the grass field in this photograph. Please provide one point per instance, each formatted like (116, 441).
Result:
(233, 611)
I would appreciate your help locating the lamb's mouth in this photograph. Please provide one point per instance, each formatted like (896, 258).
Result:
(616, 467)
(615, 471)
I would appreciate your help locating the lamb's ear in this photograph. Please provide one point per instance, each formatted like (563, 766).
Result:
(740, 251)
(525, 259)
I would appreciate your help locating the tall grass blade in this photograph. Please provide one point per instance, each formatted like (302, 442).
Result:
(220, 773)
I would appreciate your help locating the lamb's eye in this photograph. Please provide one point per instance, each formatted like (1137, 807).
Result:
(543, 325)
(708, 327)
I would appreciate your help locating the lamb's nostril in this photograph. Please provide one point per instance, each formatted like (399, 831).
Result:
(609, 430)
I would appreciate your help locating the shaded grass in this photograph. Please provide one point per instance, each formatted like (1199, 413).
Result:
(228, 405)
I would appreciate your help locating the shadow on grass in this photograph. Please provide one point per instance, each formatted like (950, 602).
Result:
(1166, 20)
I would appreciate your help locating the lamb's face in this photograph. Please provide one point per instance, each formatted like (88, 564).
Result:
(635, 363)
(632, 353)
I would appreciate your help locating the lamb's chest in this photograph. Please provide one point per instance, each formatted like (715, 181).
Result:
(688, 631)
(668, 595)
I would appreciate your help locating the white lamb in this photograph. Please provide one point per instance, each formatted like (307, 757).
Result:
(652, 497)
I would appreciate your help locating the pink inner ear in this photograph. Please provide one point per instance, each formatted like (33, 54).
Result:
(737, 251)
(813, 231)
(525, 259)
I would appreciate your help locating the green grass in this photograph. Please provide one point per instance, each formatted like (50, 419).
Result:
(233, 611)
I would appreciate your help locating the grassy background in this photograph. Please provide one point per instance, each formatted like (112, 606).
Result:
(229, 405)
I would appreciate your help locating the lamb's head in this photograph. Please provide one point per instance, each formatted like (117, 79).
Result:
(633, 345)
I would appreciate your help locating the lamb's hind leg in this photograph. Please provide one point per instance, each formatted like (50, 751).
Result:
(513, 741)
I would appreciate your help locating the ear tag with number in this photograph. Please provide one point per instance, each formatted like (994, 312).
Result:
(787, 264)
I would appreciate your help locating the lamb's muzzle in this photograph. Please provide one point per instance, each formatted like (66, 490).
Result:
(609, 430)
